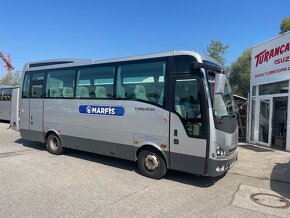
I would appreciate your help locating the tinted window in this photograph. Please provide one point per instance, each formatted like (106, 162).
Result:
(183, 63)
(5, 94)
(25, 87)
(37, 90)
(95, 82)
(144, 81)
(188, 106)
(60, 84)
(38, 76)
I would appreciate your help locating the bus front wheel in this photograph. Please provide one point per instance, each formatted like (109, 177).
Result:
(151, 164)
(54, 144)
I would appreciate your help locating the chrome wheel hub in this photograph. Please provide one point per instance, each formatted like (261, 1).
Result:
(151, 162)
(54, 143)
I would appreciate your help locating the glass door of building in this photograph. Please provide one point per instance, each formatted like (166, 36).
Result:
(265, 121)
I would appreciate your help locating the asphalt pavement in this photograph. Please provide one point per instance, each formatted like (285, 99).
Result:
(34, 183)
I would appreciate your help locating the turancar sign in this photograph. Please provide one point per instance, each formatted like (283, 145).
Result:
(270, 61)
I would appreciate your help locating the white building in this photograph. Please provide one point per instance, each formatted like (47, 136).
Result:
(269, 118)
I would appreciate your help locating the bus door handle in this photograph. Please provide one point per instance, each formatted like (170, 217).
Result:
(31, 120)
(175, 132)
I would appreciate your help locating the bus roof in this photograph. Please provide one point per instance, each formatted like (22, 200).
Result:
(70, 62)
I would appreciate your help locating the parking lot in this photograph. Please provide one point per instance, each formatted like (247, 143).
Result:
(34, 183)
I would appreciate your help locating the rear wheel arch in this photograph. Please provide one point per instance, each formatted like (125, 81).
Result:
(54, 143)
(51, 131)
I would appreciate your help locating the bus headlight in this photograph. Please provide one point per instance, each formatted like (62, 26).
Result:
(220, 151)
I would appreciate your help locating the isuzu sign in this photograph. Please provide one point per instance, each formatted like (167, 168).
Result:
(270, 61)
(102, 110)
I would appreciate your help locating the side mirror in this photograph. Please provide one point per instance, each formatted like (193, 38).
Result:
(220, 80)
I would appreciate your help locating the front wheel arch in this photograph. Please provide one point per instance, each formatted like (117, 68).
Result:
(151, 147)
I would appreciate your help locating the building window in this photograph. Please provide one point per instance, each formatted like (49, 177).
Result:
(274, 88)
(254, 91)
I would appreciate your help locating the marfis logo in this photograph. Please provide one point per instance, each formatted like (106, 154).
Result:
(102, 110)
(266, 55)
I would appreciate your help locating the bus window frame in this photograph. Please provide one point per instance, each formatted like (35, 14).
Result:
(168, 71)
(168, 60)
(203, 101)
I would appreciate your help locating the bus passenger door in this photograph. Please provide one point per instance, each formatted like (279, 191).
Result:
(36, 111)
(187, 125)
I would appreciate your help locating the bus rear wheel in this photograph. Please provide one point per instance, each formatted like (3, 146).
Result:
(151, 164)
(54, 144)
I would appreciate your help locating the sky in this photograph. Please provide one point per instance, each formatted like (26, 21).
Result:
(34, 30)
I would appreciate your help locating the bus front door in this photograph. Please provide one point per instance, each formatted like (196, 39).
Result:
(187, 133)
(36, 111)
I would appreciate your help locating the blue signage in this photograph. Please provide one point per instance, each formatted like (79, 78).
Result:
(102, 110)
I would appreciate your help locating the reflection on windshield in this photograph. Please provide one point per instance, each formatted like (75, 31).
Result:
(223, 104)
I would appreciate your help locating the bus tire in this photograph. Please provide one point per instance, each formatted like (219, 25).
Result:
(54, 144)
(151, 164)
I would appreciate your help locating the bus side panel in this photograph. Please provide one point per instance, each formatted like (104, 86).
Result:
(89, 132)
(14, 121)
(24, 119)
(5, 107)
(107, 134)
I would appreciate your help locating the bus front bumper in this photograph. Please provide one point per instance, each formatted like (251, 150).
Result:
(217, 167)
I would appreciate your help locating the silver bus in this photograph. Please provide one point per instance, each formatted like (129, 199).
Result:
(5, 102)
(172, 110)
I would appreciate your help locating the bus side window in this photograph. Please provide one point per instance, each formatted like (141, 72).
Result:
(36, 91)
(142, 81)
(25, 87)
(60, 84)
(95, 82)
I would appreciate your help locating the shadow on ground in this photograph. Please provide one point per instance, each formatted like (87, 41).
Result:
(30, 144)
(176, 176)
(4, 121)
(280, 179)
(256, 148)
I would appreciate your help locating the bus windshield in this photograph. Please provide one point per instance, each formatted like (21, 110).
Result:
(223, 104)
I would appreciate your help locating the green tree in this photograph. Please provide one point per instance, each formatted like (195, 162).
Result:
(285, 25)
(217, 50)
(12, 79)
(240, 74)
